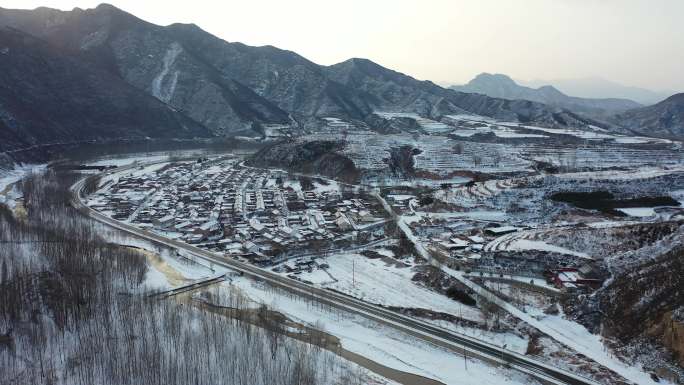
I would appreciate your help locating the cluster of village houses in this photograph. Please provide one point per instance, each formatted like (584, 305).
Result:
(466, 251)
(460, 243)
(267, 216)
(261, 215)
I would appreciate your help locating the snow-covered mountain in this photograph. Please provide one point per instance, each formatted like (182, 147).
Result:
(232, 88)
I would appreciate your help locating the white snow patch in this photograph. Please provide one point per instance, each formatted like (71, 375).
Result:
(155, 280)
(9, 177)
(375, 281)
(638, 211)
(583, 134)
(126, 160)
(332, 186)
(162, 88)
(526, 244)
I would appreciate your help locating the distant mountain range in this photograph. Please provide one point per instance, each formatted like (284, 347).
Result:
(388, 90)
(105, 74)
(228, 88)
(502, 86)
(597, 88)
(664, 119)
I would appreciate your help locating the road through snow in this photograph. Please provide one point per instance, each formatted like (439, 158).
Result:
(566, 332)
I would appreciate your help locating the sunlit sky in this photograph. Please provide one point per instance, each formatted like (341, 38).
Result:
(634, 42)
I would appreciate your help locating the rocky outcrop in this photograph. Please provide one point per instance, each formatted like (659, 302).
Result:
(312, 158)
(670, 329)
(645, 302)
(401, 163)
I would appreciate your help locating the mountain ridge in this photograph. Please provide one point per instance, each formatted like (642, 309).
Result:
(664, 119)
(400, 92)
(596, 87)
(232, 89)
(502, 86)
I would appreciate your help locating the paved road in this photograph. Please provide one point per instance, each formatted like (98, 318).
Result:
(191, 286)
(456, 342)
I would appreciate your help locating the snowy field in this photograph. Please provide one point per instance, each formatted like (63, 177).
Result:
(428, 125)
(8, 177)
(369, 339)
(472, 124)
(370, 150)
(379, 282)
(127, 160)
(384, 345)
(640, 212)
(499, 131)
(527, 240)
(157, 156)
(641, 173)
(9, 194)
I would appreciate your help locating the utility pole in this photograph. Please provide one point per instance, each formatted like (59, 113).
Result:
(465, 353)
(353, 273)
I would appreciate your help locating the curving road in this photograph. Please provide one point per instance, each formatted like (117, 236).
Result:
(459, 343)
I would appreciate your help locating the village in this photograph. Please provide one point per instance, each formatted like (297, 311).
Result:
(261, 216)
(459, 249)
(273, 218)
(497, 228)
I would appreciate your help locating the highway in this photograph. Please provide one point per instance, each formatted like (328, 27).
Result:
(458, 343)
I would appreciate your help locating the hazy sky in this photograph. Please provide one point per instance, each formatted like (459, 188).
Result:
(634, 42)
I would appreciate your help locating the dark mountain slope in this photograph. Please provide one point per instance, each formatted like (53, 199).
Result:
(294, 83)
(647, 303)
(152, 59)
(232, 88)
(598, 88)
(502, 86)
(225, 86)
(47, 97)
(665, 119)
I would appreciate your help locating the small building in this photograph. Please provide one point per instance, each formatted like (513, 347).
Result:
(343, 223)
(453, 244)
(570, 279)
(501, 230)
(256, 225)
(252, 247)
(164, 222)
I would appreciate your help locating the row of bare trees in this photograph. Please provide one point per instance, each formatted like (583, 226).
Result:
(71, 313)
